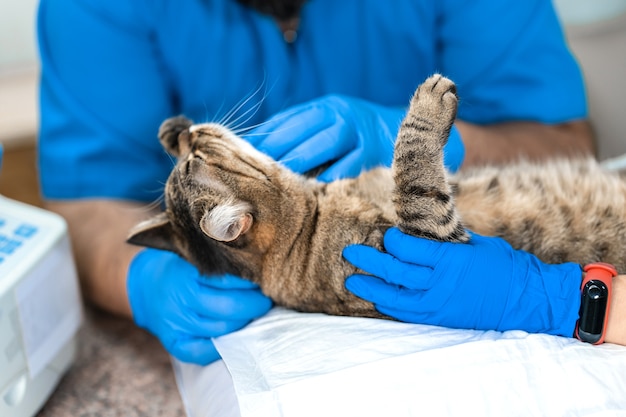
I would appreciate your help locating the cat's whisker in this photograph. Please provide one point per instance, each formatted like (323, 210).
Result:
(149, 207)
(172, 159)
(242, 132)
(392, 141)
(285, 160)
(223, 120)
(206, 111)
(227, 119)
(250, 137)
(248, 114)
(233, 121)
(240, 127)
(272, 120)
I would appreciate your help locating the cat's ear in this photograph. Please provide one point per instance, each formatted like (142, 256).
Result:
(155, 232)
(226, 222)
(174, 135)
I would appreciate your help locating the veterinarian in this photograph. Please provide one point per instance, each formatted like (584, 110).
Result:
(325, 81)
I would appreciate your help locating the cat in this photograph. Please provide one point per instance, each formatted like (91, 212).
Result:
(232, 209)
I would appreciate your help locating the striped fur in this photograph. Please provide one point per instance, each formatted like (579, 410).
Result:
(422, 195)
(232, 209)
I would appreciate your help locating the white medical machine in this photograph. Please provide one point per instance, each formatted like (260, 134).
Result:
(40, 306)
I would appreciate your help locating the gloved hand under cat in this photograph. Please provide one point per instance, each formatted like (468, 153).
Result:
(184, 309)
(484, 284)
(351, 134)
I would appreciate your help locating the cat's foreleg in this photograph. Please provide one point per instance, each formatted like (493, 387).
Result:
(422, 195)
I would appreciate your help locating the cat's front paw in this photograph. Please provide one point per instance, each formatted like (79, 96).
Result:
(435, 102)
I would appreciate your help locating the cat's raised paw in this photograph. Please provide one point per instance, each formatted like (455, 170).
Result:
(435, 103)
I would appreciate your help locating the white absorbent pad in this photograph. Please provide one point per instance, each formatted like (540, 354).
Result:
(290, 364)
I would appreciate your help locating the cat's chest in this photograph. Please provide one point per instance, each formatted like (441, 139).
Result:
(369, 195)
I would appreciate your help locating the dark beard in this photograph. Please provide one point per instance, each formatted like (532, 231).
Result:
(279, 9)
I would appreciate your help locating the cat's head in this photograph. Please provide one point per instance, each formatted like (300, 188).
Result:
(226, 202)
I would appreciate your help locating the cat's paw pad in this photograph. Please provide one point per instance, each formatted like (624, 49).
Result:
(436, 97)
(435, 101)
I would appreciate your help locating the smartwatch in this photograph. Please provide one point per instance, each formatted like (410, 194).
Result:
(595, 302)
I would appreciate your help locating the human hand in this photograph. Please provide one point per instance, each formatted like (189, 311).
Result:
(484, 284)
(351, 134)
(185, 310)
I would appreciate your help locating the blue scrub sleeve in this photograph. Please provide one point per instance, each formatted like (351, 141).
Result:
(102, 98)
(510, 61)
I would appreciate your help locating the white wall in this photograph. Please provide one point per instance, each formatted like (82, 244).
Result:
(596, 31)
(580, 12)
(17, 34)
(18, 71)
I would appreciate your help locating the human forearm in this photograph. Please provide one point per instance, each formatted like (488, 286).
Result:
(98, 230)
(616, 326)
(505, 142)
(163, 289)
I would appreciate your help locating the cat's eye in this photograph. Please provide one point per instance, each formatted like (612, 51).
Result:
(186, 168)
(187, 164)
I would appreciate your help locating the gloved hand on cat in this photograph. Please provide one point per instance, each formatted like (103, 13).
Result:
(484, 284)
(183, 309)
(353, 134)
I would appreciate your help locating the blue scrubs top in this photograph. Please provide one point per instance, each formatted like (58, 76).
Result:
(113, 70)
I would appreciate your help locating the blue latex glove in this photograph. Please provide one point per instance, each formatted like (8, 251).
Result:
(185, 310)
(356, 134)
(484, 284)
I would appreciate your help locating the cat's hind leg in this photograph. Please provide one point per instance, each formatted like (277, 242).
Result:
(422, 196)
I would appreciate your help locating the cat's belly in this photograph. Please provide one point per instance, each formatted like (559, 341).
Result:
(562, 211)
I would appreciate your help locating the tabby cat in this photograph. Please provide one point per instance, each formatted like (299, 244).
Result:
(232, 209)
